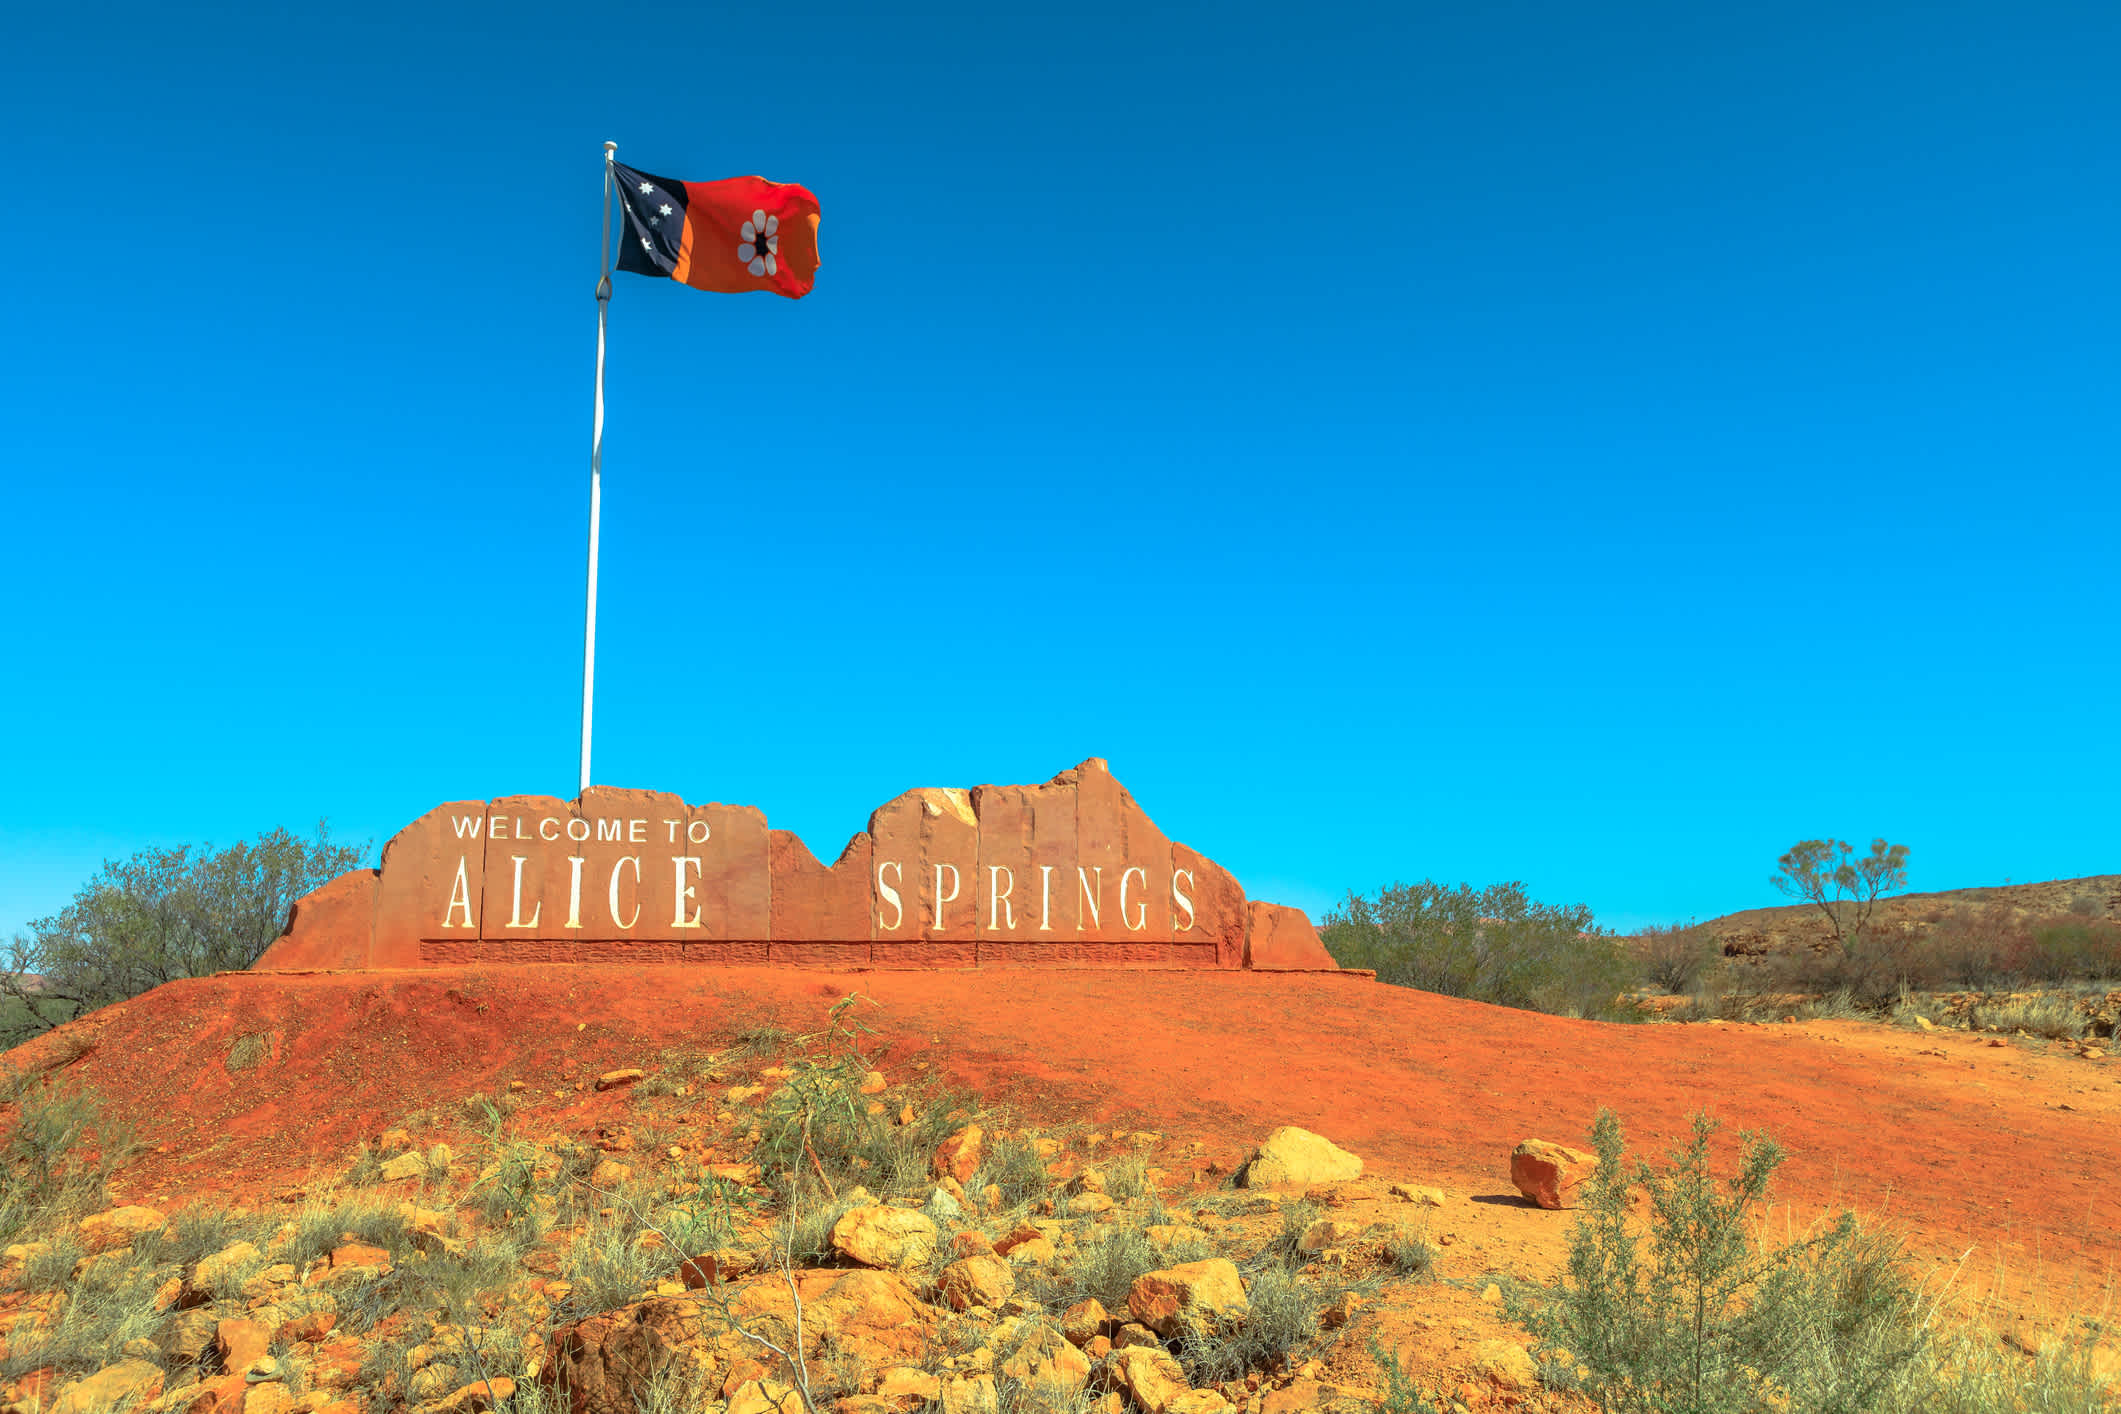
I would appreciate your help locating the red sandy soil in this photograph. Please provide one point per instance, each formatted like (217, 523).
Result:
(2007, 1151)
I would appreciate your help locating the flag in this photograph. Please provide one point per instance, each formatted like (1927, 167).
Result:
(745, 233)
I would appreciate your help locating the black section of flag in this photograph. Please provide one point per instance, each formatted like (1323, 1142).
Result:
(655, 221)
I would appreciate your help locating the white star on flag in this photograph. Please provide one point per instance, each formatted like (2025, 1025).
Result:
(647, 187)
(666, 209)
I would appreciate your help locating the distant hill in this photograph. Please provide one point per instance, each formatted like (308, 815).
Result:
(1789, 927)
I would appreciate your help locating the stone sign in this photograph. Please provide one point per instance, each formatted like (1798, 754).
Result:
(1070, 872)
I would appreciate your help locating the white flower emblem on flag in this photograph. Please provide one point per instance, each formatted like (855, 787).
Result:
(761, 243)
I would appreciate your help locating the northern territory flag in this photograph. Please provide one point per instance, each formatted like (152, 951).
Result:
(745, 233)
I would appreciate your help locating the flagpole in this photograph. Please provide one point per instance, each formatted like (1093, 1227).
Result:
(596, 477)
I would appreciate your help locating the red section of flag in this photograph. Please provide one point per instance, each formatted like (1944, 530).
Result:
(746, 233)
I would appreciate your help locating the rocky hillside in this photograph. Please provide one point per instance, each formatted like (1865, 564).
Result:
(1790, 927)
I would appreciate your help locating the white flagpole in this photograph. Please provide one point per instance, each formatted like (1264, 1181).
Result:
(596, 476)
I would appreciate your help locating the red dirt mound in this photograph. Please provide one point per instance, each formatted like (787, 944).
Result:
(2003, 1149)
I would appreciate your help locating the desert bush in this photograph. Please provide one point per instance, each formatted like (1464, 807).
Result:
(1676, 958)
(1407, 1252)
(2058, 1018)
(1703, 1320)
(1491, 945)
(1127, 1178)
(1283, 1315)
(1402, 1395)
(161, 915)
(2073, 949)
(1981, 949)
(1297, 1215)
(1869, 974)
(1013, 1164)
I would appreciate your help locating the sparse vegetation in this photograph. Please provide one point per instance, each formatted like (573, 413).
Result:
(1843, 886)
(1491, 945)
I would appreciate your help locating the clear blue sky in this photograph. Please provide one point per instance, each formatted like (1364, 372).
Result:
(1596, 446)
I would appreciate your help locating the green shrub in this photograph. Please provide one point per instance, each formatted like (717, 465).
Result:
(1408, 1253)
(2069, 951)
(56, 1157)
(1701, 1321)
(1491, 945)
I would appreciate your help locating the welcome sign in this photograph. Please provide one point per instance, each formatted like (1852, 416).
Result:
(1069, 872)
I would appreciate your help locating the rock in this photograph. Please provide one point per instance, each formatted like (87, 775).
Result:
(327, 928)
(1135, 1333)
(1085, 1204)
(404, 1168)
(1199, 1401)
(106, 1232)
(309, 1326)
(240, 1342)
(959, 1155)
(906, 1387)
(1048, 1369)
(970, 1243)
(1084, 1321)
(942, 1208)
(1431, 1197)
(764, 1397)
(118, 1386)
(1279, 939)
(612, 1080)
(219, 1269)
(360, 1255)
(271, 1398)
(974, 1396)
(1550, 1174)
(475, 1398)
(609, 1173)
(1292, 1157)
(187, 1336)
(874, 1083)
(1505, 1365)
(885, 1237)
(1194, 1295)
(976, 1281)
(1150, 1375)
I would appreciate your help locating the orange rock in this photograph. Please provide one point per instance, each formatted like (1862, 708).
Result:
(1550, 1174)
(329, 927)
(959, 1155)
(240, 1342)
(312, 1326)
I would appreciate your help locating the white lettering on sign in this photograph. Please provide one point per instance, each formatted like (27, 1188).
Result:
(890, 895)
(612, 893)
(678, 918)
(1133, 925)
(942, 898)
(636, 832)
(496, 828)
(468, 826)
(553, 824)
(515, 914)
(1045, 898)
(998, 905)
(460, 897)
(672, 827)
(578, 838)
(609, 831)
(1096, 900)
(696, 832)
(1178, 896)
(574, 891)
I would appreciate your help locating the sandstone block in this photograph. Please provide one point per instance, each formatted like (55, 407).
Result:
(1292, 1157)
(1278, 938)
(1550, 1174)
(119, 1386)
(1150, 1375)
(1201, 1295)
(106, 1232)
(1505, 1365)
(959, 1155)
(329, 927)
(1084, 1321)
(885, 1237)
(976, 1281)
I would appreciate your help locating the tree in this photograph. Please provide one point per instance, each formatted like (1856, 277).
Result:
(1845, 889)
(161, 915)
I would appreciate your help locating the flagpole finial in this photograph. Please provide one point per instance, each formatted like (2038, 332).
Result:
(609, 149)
